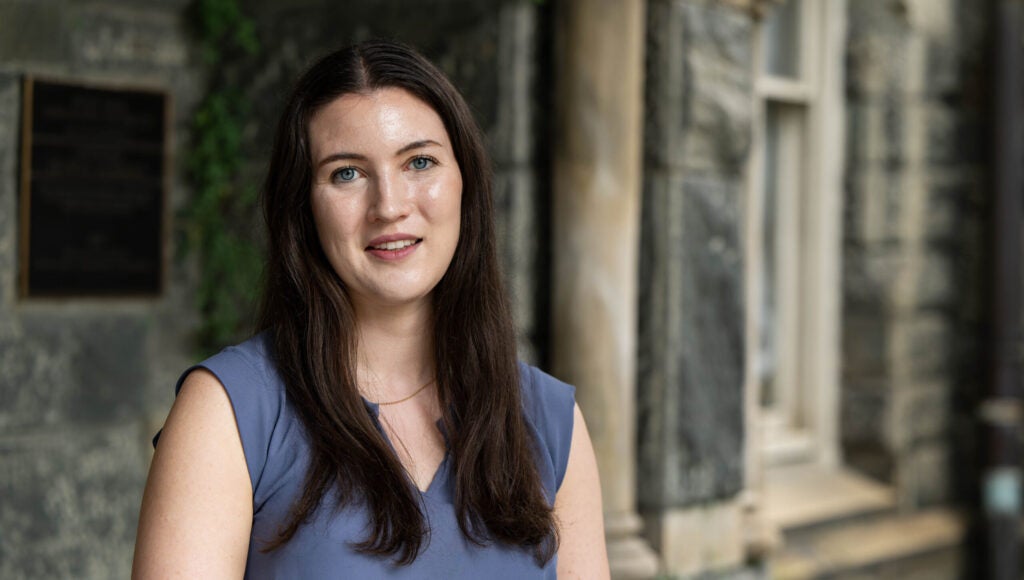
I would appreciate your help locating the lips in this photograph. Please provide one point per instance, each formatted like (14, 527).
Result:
(393, 242)
(393, 246)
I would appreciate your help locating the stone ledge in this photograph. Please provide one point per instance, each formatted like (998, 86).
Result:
(926, 542)
(807, 495)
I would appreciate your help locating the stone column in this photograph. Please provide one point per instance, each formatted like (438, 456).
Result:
(599, 56)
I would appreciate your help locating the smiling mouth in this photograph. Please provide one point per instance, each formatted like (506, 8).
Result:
(395, 246)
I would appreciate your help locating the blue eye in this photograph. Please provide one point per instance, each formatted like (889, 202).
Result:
(344, 174)
(421, 163)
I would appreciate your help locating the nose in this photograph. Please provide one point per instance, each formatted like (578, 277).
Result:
(391, 199)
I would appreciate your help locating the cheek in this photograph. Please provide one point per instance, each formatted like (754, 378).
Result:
(443, 201)
(452, 202)
(332, 218)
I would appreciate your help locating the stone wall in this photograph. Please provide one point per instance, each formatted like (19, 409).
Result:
(84, 382)
(916, 209)
(699, 99)
(698, 131)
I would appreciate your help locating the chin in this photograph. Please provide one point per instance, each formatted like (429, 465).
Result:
(397, 297)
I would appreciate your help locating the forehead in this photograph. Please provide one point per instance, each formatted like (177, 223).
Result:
(384, 118)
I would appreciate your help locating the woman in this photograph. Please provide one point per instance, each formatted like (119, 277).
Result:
(379, 425)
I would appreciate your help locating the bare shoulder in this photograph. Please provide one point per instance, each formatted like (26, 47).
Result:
(197, 507)
(582, 552)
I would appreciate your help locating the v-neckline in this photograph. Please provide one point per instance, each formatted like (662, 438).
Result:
(434, 479)
(374, 410)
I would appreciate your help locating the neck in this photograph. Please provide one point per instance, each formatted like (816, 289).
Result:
(395, 349)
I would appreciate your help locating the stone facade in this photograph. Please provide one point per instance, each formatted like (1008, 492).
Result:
(84, 382)
(698, 131)
(916, 207)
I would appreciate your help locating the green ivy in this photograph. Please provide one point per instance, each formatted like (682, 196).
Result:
(224, 204)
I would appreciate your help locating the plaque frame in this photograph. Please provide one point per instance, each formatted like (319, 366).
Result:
(25, 188)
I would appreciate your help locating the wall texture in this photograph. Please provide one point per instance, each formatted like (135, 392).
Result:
(698, 132)
(917, 196)
(83, 382)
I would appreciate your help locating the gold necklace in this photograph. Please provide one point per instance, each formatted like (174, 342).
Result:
(404, 399)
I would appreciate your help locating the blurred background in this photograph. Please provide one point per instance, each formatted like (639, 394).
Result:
(775, 244)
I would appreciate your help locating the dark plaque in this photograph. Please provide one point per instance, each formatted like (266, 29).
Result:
(92, 190)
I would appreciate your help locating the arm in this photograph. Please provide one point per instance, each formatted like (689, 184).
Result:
(582, 552)
(197, 507)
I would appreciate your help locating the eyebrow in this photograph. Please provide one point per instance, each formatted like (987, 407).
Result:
(341, 156)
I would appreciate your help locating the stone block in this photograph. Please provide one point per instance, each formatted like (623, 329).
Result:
(933, 18)
(945, 73)
(865, 136)
(936, 280)
(73, 370)
(943, 134)
(937, 285)
(703, 539)
(719, 111)
(862, 219)
(875, 63)
(698, 113)
(942, 216)
(924, 476)
(71, 501)
(33, 32)
(924, 345)
(884, 17)
(691, 343)
(876, 57)
(874, 131)
(894, 128)
(865, 346)
(146, 40)
(867, 383)
(922, 414)
(719, 138)
(714, 29)
(870, 272)
(865, 418)
(37, 383)
(874, 202)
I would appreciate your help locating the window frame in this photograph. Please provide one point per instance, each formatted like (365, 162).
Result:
(805, 428)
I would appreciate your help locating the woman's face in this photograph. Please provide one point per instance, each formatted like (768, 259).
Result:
(387, 195)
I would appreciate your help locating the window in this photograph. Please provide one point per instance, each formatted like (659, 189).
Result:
(793, 233)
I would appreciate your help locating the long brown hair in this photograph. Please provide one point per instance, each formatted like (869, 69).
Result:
(306, 310)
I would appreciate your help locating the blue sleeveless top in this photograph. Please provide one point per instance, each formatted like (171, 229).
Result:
(277, 454)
